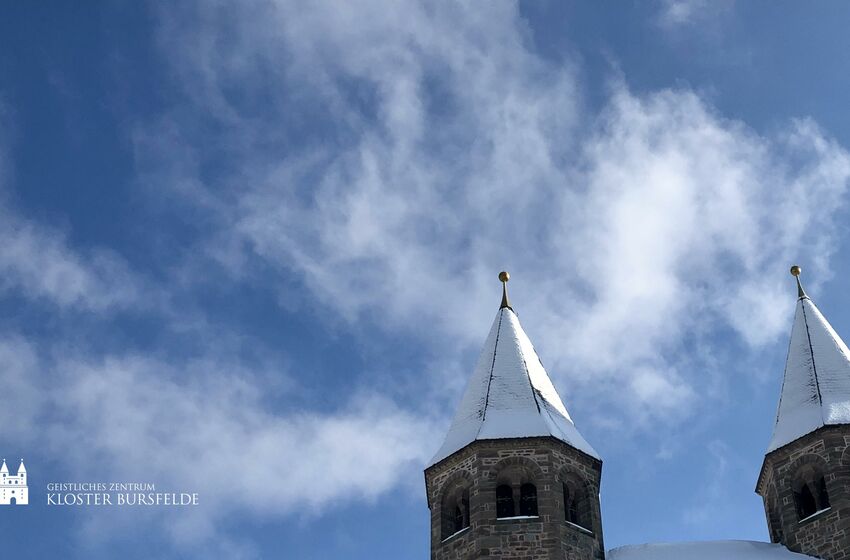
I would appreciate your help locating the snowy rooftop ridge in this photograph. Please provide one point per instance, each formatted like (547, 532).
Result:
(816, 386)
(509, 395)
(711, 550)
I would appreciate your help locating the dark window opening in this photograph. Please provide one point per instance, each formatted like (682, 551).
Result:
(504, 501)
(822, 497)
(458, 520)
(570, 507)
(528, 500)
(806, 504)
(577, 505)
(810, 494)
(455, 512)
(811, 497)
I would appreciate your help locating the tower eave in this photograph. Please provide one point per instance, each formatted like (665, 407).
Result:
(467, 447)
(769, 456)
(471, 449)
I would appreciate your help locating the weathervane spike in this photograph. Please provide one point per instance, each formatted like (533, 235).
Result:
(795, 272)
(504, 277)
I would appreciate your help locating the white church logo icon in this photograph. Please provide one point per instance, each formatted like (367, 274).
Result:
(13, 489)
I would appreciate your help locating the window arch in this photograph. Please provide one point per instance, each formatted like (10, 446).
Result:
(528, 499)
(576, 502)
(504, 501)
(455, 510)
(516, 487)
(810, 494)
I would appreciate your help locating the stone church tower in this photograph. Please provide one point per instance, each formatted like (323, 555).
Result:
(514, 478)
(805, 478)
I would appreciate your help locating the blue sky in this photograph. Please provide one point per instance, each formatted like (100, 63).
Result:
(250, 251)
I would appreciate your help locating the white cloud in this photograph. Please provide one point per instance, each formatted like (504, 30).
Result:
(38, 262)
(22, 398)
(144, 416)
(205, 427)
(676, 13)
(405, 153)
(452, 150)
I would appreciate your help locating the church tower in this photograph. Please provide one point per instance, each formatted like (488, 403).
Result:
(514, 478)
(805, 478)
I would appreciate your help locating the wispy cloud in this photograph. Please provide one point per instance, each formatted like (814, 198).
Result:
(38, 263)
(393, 158)
(182, 420)
(450, 150)
(206, 426)
(128, 411)
(23, 399)
(677, 13)
(712, 500)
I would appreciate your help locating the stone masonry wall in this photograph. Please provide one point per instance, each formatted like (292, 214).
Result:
(547, 537)
(827, 534)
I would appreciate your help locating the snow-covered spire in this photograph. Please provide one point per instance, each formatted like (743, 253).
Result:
(4, 469)
(816, 388)
(509, 394)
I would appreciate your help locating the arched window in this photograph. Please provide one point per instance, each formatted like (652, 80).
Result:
(455, 510)
(528, 499)
(516, 492)
(810, 495)
(504, 501)
(577, 504)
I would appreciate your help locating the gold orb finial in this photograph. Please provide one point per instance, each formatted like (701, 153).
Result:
(795, 272)
(504, 277)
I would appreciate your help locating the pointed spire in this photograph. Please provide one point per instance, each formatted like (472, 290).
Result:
(510, 394)
(816, 385)
(504, 277)
(4, 469)
(22, 468)
(795, 272)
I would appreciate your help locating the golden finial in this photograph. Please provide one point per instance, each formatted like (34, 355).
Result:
(795, 272)
(504, 277)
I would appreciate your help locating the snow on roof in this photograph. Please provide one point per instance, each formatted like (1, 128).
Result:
(510, 395)
(816, 387)
(713, 550)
